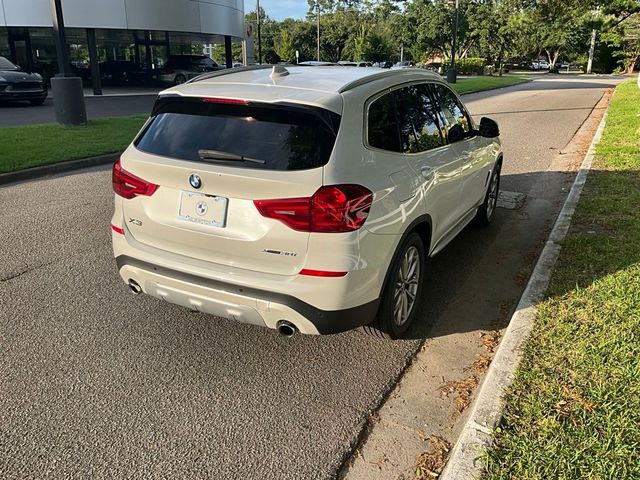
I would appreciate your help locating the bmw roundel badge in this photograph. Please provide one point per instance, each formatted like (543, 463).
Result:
(195, 181)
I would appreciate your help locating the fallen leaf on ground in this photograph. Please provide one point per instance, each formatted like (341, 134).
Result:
(430, 464)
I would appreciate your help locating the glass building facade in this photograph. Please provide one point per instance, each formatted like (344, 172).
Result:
(169, 27)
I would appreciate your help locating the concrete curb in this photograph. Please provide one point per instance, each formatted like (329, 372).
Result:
(466, 459)
(54, 168)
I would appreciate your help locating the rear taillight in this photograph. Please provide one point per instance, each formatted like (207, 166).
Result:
(128, 185)
(332, 209)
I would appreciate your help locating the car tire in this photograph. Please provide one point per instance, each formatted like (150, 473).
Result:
(179, 80)
(487, 209)
(405, 278)
(37, 102)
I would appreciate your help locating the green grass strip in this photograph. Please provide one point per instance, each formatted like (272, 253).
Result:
(573, 411)
(35, 145)
(479, 84)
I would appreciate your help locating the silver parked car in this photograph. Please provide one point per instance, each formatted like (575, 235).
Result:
(180, 68)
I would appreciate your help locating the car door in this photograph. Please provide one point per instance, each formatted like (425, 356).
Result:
(394, 184)
(437, 165)
(471, 148)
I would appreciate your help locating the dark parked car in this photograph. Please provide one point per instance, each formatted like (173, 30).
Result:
(180, 68)
(121, 72)
(16, 84)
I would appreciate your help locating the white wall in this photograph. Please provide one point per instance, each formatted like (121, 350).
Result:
(34, 13)
(224, 17)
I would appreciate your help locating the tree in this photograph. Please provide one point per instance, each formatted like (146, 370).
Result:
(376, 48)
(284, 47)
(359, 42)
(622, 31)
(495, 29)
(625, 38)
(559, 26)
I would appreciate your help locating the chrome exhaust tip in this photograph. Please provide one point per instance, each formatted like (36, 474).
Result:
(286, 329)
(134, 287)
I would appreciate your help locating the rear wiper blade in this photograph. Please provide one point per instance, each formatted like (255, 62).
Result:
(232, 157)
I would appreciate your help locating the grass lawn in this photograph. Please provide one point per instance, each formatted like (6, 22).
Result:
(574, 408)
(33, 145)
(478, 84)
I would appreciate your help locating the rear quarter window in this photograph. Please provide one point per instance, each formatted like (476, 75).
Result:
(286, 137)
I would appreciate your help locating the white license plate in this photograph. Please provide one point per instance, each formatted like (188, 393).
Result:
(203, 209)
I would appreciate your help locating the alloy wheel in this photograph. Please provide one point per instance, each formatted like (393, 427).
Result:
(407, 281)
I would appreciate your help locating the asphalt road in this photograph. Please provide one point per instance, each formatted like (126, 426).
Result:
(97, 383)
(97, 107)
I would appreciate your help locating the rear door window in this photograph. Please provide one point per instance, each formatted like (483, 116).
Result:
(282, 137)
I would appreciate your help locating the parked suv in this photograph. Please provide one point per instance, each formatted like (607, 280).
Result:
(301, 199)
(16, 84)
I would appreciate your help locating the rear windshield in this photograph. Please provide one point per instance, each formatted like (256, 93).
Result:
(282, 137)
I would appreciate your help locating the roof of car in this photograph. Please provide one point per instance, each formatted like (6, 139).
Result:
(317, 85)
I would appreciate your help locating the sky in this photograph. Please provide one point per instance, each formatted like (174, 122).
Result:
(280, 9)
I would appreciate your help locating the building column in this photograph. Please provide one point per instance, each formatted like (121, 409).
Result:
(147, 50)
(227, 51)
(94, 60)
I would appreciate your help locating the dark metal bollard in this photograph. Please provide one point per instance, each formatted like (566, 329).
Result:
(68, 100)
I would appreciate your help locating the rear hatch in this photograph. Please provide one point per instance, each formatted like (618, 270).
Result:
(210, 159)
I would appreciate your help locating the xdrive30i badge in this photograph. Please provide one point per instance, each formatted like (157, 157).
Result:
(195, 181)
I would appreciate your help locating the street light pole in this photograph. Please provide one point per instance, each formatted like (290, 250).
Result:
(317, 6)
(60, 38)
(259, 37)
(452, 74)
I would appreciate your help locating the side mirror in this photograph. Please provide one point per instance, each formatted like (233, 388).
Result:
(488, 128)
(455, 134)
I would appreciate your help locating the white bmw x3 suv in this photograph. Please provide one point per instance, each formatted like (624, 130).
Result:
(301, 198)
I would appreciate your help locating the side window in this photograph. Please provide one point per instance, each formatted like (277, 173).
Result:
(453, 112)
(418, 119)
(382, 128)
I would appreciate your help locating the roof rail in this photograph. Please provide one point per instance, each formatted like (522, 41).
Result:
(228, 71)
(377, 76)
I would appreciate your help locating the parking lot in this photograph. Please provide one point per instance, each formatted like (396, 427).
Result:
(118, 104)
(95, 382)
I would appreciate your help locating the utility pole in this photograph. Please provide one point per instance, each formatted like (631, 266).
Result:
(591, 50)
(259, 37)
(452, 74)
(592, 47)
(68, 96)
(317, 7)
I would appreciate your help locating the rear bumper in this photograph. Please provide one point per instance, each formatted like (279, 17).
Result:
(241, 303)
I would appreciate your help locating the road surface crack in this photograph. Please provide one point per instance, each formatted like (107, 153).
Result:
(19, 273)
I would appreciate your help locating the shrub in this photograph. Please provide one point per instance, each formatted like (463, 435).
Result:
(467, 66)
